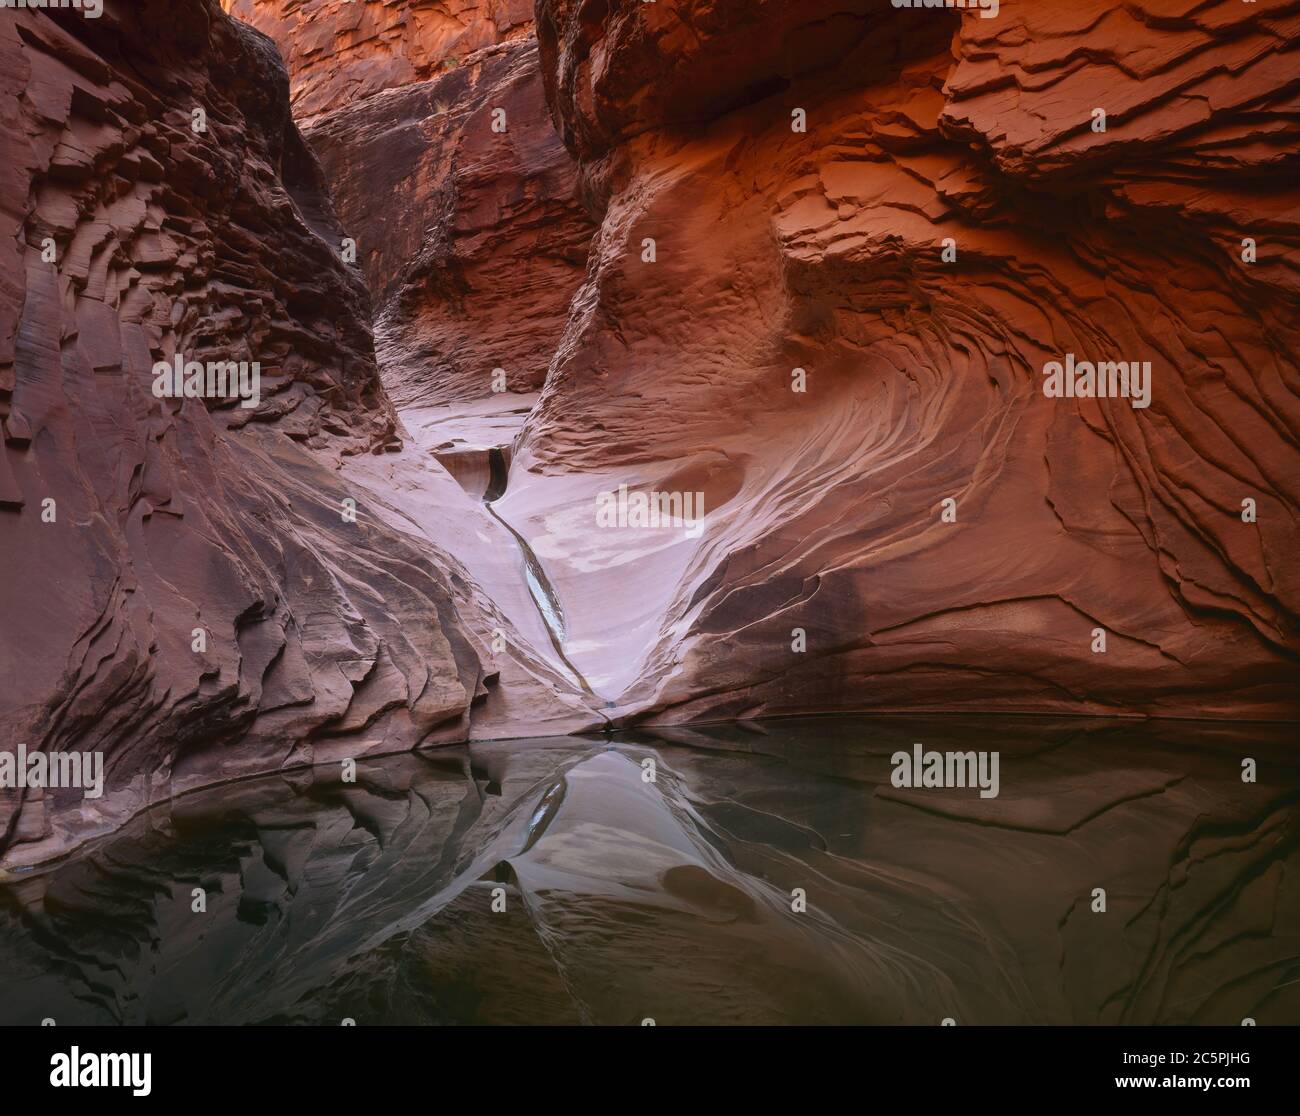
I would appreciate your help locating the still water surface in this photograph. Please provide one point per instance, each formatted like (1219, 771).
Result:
(681, 898)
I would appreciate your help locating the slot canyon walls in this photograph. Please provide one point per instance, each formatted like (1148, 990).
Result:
(185, 588)
(923, 518)
(838, 245)
(803, 263)
(340, 52)
(472, 239)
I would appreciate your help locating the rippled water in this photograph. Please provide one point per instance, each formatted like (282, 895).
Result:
(627, 899)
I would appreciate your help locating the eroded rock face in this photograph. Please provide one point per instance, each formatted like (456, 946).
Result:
(923, 527)
(340, 52)
(462, 204)
(480, 241)
(431, 124)
(807, 264)
(185, 590)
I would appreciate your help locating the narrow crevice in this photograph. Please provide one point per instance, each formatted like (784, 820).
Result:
(539, 585)
(498, 475)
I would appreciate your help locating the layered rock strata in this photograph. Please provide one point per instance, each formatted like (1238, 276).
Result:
(839, 244)
(339, 51)
(799, 272)
(911, 215)
(472, 259)
(480, 242)
(190, 589)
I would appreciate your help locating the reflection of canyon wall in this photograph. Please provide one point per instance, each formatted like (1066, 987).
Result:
(182, 590)
(672, 900)
(822, 250)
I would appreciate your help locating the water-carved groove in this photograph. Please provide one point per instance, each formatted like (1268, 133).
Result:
(539, 586)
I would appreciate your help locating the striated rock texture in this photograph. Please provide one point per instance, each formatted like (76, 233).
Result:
(805, 263)
(923, 527)
(481, 240)
(431, 124)
(472, 255)
(472, 258)
(185, 588)
(339, 51)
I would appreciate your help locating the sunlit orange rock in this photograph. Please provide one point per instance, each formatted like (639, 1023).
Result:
(826, 574)
(338, 52)
(814, 277)
(481, 239)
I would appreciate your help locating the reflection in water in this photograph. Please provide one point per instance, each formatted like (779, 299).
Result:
(626, 899)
